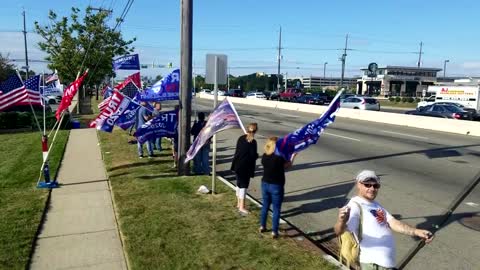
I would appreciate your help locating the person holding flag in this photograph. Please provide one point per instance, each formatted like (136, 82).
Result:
(243, 164)
(273, 182)
(200, 161)
(143, 115)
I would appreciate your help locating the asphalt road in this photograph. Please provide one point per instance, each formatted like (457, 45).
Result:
(422, 172)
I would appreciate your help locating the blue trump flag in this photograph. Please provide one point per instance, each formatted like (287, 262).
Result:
(223, 117)
(165, 89)
(127, 62)
(120, 111)
(163, 125)
(303, 137)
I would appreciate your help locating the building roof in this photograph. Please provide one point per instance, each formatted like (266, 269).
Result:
(408, 68)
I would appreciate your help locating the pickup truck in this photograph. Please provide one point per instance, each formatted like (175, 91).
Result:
(290, 94)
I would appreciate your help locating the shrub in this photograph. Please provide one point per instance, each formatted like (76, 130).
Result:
(410, 100)
(14, 120)
(391, 99)
(404, 99)
(398, 99)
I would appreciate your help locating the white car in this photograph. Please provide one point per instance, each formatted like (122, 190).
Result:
(361, 103)
(52, 99)
(206, 91)
(256, 96)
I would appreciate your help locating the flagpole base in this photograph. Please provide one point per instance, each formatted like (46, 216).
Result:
(51, 184)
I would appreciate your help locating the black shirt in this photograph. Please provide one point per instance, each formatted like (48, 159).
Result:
(273, 169)
(245, 157)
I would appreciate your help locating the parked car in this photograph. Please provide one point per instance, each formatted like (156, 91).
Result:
(52, 99)
(291, 94)
(305, 99)
(361, 103)
(441, 111)
(320, 99)
(219, 93)
(206, 91)
(235, 92)
(274, 95)
(256, 95)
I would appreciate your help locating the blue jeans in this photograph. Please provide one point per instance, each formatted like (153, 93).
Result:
(149, 148)
(158, 143)
(271, 194)
(201, 164)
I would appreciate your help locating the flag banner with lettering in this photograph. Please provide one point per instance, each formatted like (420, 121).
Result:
(120, 111)
(165, 89)
(68, 95)
(51, 91)
(163, 125)
(107, 91)
(102, 105)
(305, 136)
(136, 79)
(223, 117)
(127, 62)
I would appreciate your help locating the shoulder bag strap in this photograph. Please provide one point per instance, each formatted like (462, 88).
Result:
(360, 230)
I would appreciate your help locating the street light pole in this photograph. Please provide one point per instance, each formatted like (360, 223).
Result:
(324, 68)
(445, 68)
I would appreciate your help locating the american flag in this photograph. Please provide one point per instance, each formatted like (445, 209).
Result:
(13, 92)
(51, 78)
(33, 90)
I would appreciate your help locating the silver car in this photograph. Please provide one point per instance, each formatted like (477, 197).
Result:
(361, 103)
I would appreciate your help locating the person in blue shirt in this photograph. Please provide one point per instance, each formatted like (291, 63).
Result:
(143, 116)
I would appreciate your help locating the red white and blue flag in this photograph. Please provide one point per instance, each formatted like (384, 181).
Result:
(32, 86)
(305, 136)
(223, 117)
(51, 78)
(120, 111)
(13, 93)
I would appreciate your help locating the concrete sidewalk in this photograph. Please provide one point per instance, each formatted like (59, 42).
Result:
(80, 230)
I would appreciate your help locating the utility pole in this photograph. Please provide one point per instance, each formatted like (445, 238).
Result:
(25, 40)
(420, 55)
(279, 57)
(445, 68)
(343, 58)
(185, 85)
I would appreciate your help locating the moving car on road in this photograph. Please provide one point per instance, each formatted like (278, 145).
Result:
(361, 103)
(441, 111)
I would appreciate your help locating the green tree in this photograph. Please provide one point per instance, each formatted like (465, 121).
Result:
(6, 68)
(69, 42)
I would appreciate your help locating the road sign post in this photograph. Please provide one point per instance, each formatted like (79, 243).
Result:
(216, 73)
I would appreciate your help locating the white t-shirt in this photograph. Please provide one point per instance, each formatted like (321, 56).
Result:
(378, 244)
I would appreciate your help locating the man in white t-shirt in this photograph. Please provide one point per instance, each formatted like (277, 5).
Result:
(377, 245)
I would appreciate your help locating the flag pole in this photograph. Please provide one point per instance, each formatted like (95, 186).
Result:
(30, 103)
(214, 154)
(44, 105)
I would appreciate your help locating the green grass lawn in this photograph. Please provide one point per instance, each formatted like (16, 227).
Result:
(388, 103)
(166, 225)
(21, 203)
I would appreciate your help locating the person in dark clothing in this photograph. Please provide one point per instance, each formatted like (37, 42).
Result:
(200, 161)
(243, 164)
(273, 182)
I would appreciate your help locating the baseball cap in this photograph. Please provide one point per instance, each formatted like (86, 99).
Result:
(367, 175)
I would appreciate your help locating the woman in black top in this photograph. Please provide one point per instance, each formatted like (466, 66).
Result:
(273, 182)
(243, 164)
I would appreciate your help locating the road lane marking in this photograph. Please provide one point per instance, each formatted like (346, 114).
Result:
(472, 204)
(404, 134)
(340, 136)
(289, 115)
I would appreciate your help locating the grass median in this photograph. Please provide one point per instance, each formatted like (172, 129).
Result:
(21, 203)
(166, 225)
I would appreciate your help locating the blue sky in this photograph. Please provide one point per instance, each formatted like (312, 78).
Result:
(385, 32)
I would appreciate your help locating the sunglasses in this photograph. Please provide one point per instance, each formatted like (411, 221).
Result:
(375, 186)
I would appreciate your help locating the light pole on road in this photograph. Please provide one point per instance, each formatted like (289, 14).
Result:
(324, 68)
(445, 68)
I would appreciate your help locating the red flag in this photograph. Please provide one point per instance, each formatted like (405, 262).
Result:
(68, 95)
(135, 77)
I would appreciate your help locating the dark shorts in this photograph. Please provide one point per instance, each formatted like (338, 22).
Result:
(243, 181)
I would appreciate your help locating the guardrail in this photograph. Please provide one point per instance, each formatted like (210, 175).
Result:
(464, 127)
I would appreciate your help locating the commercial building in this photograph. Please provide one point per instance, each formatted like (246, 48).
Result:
(397, 81)
(328, 83)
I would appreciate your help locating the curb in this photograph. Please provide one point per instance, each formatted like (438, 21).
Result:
(326, 253)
